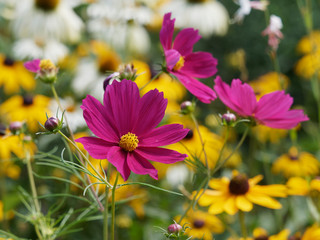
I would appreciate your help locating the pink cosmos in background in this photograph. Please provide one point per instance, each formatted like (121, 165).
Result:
(33, 66)
(127, 132)
(185, 64)
(272, 110)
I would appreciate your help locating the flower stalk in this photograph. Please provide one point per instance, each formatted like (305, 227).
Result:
(113, 209)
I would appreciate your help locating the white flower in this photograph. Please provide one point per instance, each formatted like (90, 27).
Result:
(245, 8)
(120, 24)
(33, 19)
(210, 17)
(273, 32)
(34, 48)
(177, 174)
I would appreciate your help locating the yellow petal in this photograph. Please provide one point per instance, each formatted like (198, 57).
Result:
(243, 203)
(263, 200)
(230, 205)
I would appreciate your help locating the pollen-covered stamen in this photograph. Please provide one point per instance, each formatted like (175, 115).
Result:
(239, 185)
(46, 64)
(129, 142)
(179, 64)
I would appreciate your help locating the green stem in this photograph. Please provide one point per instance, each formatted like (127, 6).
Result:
(105, 215)
(233, 151)
(113, 209)
(218, 163)
(86, 159)
(243, 225)
(155, 77)
(34, 193)
(202, 144)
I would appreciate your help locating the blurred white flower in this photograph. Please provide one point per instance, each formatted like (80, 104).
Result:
(73, 112)
(245, 8)
(209, 16)
(28, 48)
(273, 32)
(120, 23)
(47, 19)
(177, 174)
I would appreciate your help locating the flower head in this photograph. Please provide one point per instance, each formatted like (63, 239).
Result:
(45, 69)
(272, 110)
(239, 193)
(246, 6)
(296, 164)
(273, 32)
(185, 64)
(126, 131)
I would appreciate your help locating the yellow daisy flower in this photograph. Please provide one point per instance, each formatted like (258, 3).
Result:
(172, 90)
(302, 187)
(14, 75)
(261, 234)
(309, 64)
(268, 83)
(312, 233)
(213, 143)
(107, 59)
(295, 163)
(31, 109)
(265, 134)
(201, 225)
(240, 193)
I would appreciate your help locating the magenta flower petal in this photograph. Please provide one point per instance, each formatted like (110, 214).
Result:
(166, 32)
(126, 126)
(272, 110)
(287, 121)
(33, 66)
(198, 89)
(164, 135)
(172, 57)
(185, 40)
(152, 107)
(162, 155)
(273, 105)
(140, 165)
(124, 109)
(96, 119)
(240, 98)
(96, 147)
(118, 158)
(184, 64)
(200, 65)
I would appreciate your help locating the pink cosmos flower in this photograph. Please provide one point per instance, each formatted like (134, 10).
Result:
(45, 69)
(127, 132)
(185, 64)
(271, 110)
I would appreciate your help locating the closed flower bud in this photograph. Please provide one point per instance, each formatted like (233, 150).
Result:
(45, 69)
(15, 127)
(174, 228)
(228, 119)
(109, 80)
(128, 72)
(52, 124)
(187, 107)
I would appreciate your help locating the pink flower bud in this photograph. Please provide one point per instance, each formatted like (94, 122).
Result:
(52, 123)
(174, 228)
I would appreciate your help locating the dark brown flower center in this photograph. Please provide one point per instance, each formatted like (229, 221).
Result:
(262, 237)
(27, 100)
(2, 130)
(189, 135)
(293, 157)
(294, 238)
(239, 185)
(198, 223)
(197, 1)
(8, 61)
(47, 5)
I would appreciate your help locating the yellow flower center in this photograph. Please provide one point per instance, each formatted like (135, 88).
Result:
(179, 64)
(46, 64)
(47, 5)
(129, 142)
